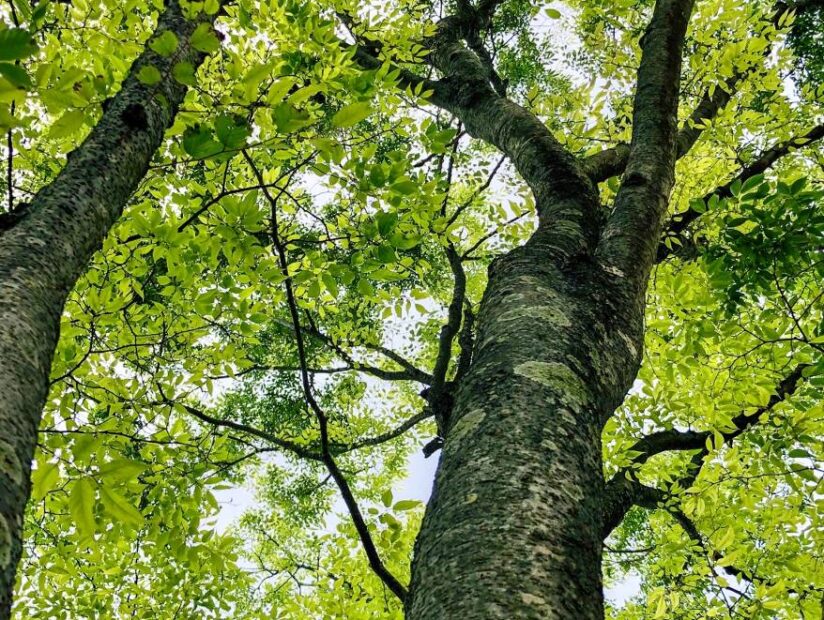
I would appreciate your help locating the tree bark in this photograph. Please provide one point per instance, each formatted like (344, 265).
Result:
(514, 526)
(45, 253)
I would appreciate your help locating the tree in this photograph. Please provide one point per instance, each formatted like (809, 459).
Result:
(47, 243)
(369, 229)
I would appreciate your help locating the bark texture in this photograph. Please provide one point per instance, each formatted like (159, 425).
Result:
(513, 529)
(514, 526)
(44, 254)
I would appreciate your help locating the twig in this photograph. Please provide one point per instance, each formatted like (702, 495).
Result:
(326, 456)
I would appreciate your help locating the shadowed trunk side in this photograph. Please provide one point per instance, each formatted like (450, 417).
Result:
(45, 253)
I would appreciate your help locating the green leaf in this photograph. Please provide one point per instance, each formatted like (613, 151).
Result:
(385, 275)
(403, 242)
(351, 114)
(406, 504)
(149, 75)
(120, 508)
(376, 176)
(798, 185)
(552, 13)
(16, 44)
(288, 118)
(798, 453)
(165, 44)
(44, 479)
(81, 506)
(184, 73)
(386, 253)
(199, 144)
(16, 75)
(751, 183)
(83, 447)
(386, 222)
(232, 131)
(67, 124)
(122, 470)
(40, 11)
(204, 40)
(365, 288)
(405, 187)
(330, 284)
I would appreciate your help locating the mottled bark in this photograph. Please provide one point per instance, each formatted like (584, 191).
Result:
(44, 254)
(630, 238)
(513, 529)
(514, 526)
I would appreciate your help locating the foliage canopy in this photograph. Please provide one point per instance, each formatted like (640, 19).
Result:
(297, 180)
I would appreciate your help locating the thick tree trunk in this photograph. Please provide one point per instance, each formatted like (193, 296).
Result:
(513, 529)
(42, 257)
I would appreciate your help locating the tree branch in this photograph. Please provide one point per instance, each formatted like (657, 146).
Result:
(678, 224)
(409, 373)
(611, 162)
(368, 544)
(564, 195)
(623, 491)
(655, 498)
(466, 342)
(283, 444)
(384, 437)
(438, 397)
(630, 238)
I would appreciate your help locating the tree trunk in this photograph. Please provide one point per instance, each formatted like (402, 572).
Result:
(42, 257)
(513, 529)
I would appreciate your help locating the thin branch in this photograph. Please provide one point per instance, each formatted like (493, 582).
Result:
(713, 556)
(384, 437)
(10, 166)
(467, 255)
(479, 190)
(284, 444)
(326, 455)
(621, 492)
(409, 373)
(265, 368)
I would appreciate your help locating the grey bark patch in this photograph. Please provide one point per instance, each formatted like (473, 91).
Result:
(557, 377)
(550, 313)
(466, 425)
(613, 270)
(630, 346)
(531, 599)
(536, 284)
(5, 543)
